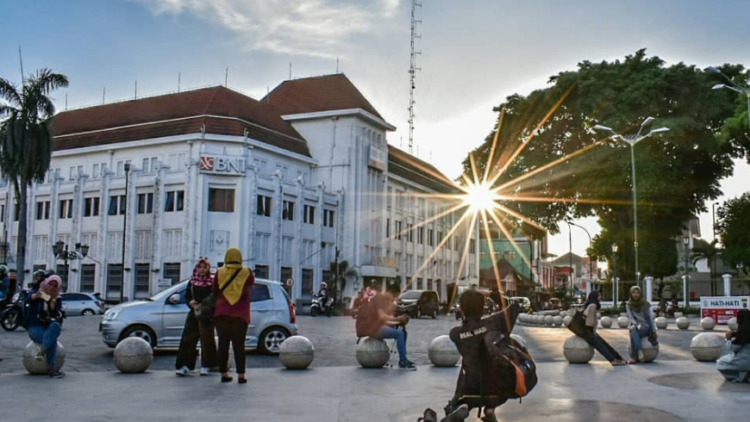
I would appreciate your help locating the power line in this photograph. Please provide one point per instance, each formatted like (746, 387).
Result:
(413, 69)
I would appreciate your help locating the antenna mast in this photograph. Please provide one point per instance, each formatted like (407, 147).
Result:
(413, 69)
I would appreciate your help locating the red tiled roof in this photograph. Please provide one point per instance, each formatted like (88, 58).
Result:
(418, 171)
(220, 109)
(319, 93)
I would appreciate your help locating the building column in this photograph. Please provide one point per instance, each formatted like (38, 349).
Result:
(251, 175)
(649, 288)
(189, 231)
(132, 201)
(103, 239)
(727, 284)
(298, 243)
(74, 277)
(276, 235)
(156, 228)
(317, 271)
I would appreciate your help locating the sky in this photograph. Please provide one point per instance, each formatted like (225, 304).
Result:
(474, 53)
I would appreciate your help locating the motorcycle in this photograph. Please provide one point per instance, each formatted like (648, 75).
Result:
(15, 312)
(318, 307)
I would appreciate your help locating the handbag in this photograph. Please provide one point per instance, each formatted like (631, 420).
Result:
(204, 310)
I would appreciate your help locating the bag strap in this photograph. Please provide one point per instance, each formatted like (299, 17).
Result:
(221, 290)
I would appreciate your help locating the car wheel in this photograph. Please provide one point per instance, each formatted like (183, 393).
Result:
(142, 332)
(87, 312)
(271, 339)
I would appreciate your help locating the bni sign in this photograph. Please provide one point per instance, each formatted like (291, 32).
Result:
(723, 308)
(222, 164)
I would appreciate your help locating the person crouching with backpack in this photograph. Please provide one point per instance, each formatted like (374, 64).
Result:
(375, 319)
(44, 322)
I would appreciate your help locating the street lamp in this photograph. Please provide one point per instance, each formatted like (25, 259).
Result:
(686, 242)
(60, 250)
(124, 232)
(632, 140)
(591, 262)
(615, 289)
(730, 85)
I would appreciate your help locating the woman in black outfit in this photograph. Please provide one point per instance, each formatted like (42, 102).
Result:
(199, 287)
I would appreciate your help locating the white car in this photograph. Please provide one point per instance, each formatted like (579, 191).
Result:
(524, 302)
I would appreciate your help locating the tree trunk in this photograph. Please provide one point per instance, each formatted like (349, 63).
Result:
(21, 247)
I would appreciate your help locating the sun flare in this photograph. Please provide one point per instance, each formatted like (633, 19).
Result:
(480, 197)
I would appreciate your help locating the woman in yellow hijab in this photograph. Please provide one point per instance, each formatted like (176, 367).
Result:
(233, 283)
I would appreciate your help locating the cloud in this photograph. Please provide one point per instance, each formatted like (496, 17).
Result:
(301, 27)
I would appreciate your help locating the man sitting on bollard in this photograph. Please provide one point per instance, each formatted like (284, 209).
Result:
(375, 319)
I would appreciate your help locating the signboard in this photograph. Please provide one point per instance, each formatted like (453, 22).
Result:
(378, 158)
(222, 164)
(722, 308)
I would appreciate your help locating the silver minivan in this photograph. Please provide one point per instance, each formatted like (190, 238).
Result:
(160, 319)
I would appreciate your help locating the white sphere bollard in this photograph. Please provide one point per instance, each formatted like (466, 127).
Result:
(519, 339)
(548, 320)
(567, 320)
(563, 314)
(442, 352)
(708, 324)
(661, 323)
(623, 322)
(732, 324)
(133, 355)
(649, 351)
(706, 347)
(372, 353)
(296, 352)
(557, 321)
(678, 315)
(683, 323)
(577, 350)
(39, 367)
(606, 322)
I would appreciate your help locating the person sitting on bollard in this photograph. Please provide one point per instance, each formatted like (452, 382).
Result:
(641, 323)
(197, 327)
(44, 322)
(735, 366)
(590, 309)
(375, 319)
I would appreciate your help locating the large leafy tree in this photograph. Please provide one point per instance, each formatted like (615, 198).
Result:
(734, 229)
(678, 171)
(26, 140)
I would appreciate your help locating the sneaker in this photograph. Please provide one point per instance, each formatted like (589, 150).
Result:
(41, 355)
(183, 372)
(406, 365)
(57, 374)
(641, 356)
(204, 371)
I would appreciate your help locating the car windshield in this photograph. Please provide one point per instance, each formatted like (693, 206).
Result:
(411, 295)
(168, 292)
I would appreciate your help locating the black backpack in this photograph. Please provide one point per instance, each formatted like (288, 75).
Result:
(513, 364)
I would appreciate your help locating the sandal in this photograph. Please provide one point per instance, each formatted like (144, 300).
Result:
(242, 380)
(618, 362)
(226, 379)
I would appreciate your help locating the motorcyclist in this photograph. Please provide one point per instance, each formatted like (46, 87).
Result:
(39, 276)
(323, 293)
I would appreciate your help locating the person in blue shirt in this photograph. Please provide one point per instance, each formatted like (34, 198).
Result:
(44, 322)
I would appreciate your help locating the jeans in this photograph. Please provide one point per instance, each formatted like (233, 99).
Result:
(387, 332)
(234, 330)
(47, 337)
(596, 342)
(636, 339)
(196, 330)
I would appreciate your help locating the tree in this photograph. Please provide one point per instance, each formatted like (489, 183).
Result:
(26, 140)
(734, 227)
(677, 171)
(734, 132)
(709, 252)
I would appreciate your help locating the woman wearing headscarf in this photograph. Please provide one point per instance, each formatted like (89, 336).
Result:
(232, 284)
(200, 287)
(44, 322)
(641, 323)
(590, 309)
(735, 366)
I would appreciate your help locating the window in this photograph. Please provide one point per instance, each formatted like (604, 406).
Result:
(261, 271)
(420, 235)
(91, 207)
(430, 237)
(287, 212)
(42, 210)
(260, 166)
(114, 278)
(66, 208)
(264, 206)
(387, 228)
(175, 201)
(286, 274)
(142, 280)
(95, 172)
(88, 277)
(260, 293)
(145, 203)
(328, 216)
(410, 232)
(309, 214)
(121, 167)
(116, 205)
(307, 282)
(172, 272)
(398, 230)
(220, 200)
(149, 165)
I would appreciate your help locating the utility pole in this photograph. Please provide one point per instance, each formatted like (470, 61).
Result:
(413, 70)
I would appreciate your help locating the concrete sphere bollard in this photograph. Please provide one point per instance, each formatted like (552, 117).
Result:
(563, 314)
(557, 321)
(606, 322)
(708, 324)
(133, 355)
(706, 347)
(372, 353)
(683, 323)
(39, 367)
(623, 322)
(548, 320)
(732, 324)
(519, 339)
(576, 350)
(567, 320)
(678, 315)
(649, 351)
(442, 352)
(661, 323)
(296, 352)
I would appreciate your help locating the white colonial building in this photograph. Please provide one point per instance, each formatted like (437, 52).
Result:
(289, 179)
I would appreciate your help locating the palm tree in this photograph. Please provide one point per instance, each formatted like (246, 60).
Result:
(709, 252)
(26, 140)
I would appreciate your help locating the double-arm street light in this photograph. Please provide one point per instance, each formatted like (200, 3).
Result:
(615, 288)
(591, 261)
(60, 250)
(731, 85)
(632, 140)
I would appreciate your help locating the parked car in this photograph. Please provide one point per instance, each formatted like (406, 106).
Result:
(81, 304)
(418, 303)
(160, 319)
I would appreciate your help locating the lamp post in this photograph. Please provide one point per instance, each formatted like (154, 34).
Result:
(632, 140)
(740, 266)
(591, 262)
(686, 242)
(614, 275)
(124, 232)
(60, 250)
(730, 85)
